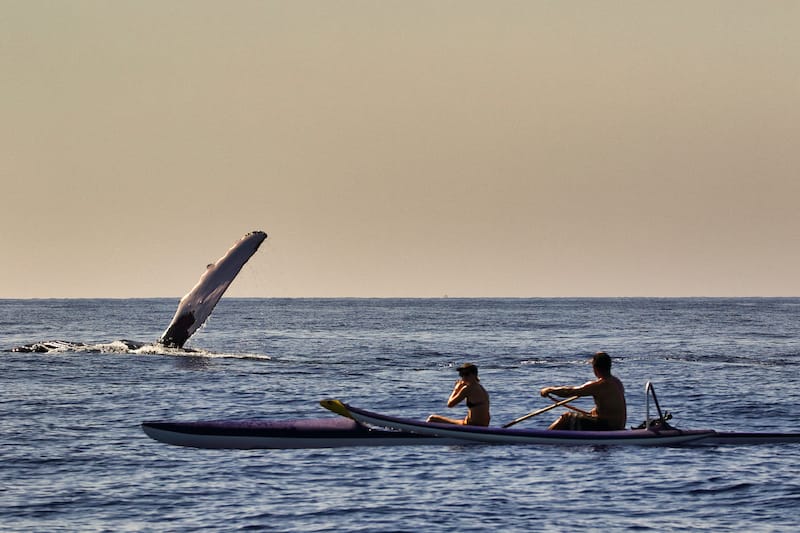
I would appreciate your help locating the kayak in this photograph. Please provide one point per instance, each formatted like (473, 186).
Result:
(359, 427)
(344, 432)
(283, 434)
(654, 436)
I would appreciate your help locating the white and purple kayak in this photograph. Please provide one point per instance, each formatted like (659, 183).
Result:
(283, 434)
(360, 427)
(364, 428)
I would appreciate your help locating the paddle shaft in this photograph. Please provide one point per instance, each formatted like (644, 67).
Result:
(542, 410)
(576, 409)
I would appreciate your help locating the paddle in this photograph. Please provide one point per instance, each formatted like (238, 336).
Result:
(336, 406)
(542, 410)
(576, 409)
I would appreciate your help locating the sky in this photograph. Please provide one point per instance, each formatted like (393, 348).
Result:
(401, 148)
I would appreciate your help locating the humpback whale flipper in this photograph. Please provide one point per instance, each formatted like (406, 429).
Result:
(196, 306)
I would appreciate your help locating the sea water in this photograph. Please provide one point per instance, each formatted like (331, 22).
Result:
(73, 456)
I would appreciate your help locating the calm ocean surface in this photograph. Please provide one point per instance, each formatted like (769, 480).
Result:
(73, 457)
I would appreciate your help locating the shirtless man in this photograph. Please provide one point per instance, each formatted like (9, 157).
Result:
(468, 388)
(610, 411)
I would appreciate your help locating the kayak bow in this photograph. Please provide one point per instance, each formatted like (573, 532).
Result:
(281, 434)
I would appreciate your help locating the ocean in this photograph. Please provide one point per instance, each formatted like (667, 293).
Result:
(74, 457)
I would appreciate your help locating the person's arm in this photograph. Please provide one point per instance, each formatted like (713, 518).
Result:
(458, 394)
(587, 389)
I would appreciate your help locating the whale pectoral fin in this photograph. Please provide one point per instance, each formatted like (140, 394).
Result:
(196, 306)
(178, 332)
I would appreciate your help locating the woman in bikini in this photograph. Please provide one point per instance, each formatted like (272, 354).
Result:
(468, 388)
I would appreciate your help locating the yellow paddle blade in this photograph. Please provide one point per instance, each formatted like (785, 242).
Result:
(336, 406)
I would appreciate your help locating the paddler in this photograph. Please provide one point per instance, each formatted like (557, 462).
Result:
(469, 388)
(609, 412)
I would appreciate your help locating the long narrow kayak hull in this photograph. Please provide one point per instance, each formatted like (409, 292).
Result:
(496, 435)
(346, 432)
(283, 434)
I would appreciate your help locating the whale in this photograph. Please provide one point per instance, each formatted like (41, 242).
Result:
(193, 309)
(196, 306)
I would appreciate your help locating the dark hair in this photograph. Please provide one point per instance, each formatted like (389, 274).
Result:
(466, 369)
(602, 362)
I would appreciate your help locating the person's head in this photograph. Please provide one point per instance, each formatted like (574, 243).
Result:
(467, 370)
(601, 362)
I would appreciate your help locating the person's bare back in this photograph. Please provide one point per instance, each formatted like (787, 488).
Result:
(609, 401)
(610, 411)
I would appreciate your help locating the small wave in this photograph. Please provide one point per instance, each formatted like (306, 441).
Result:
(535, 362)
(56, 346)
(124, 346)
(733, 487)
(215, 355)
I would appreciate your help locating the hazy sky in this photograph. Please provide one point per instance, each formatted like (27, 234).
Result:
(401, 148)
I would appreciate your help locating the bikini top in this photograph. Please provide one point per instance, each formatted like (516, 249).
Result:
(478, 404)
